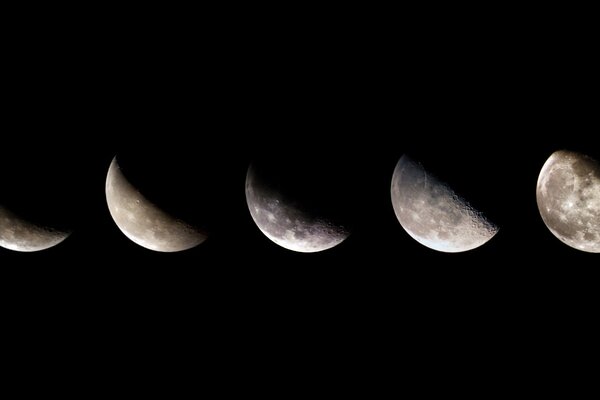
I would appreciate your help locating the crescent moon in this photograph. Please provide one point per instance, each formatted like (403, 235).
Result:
(288, 224)
(142, 221)
(568, 198)
(19, 234)
(433, 214)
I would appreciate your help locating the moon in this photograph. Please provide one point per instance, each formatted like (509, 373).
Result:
(19, 234)
(433, 214)
(568, 198)
(142, 221)
(288, 223)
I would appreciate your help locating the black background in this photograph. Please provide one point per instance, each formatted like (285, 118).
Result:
(486, 107)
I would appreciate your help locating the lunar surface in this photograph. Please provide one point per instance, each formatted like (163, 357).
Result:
(568, 197)
(286, 222)
(21, 235)
(142, 221)
(433, 214)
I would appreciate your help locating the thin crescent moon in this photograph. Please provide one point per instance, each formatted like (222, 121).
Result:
(142, 221)
(433, 214)
(19, 234)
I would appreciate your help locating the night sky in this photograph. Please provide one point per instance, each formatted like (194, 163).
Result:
(191, 115)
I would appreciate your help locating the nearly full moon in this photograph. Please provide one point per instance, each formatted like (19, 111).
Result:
(568, 198)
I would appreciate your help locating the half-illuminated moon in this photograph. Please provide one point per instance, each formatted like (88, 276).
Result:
(142, 221)
(433, 214)
(19, 234)
(568, 197)
(288, 224)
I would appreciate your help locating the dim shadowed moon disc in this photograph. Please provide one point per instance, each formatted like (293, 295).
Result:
(288, 204)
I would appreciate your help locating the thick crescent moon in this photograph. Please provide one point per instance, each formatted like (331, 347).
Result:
(142, 221)
(568, 198)
(21, 235)
(287, 224)
(433, 214)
